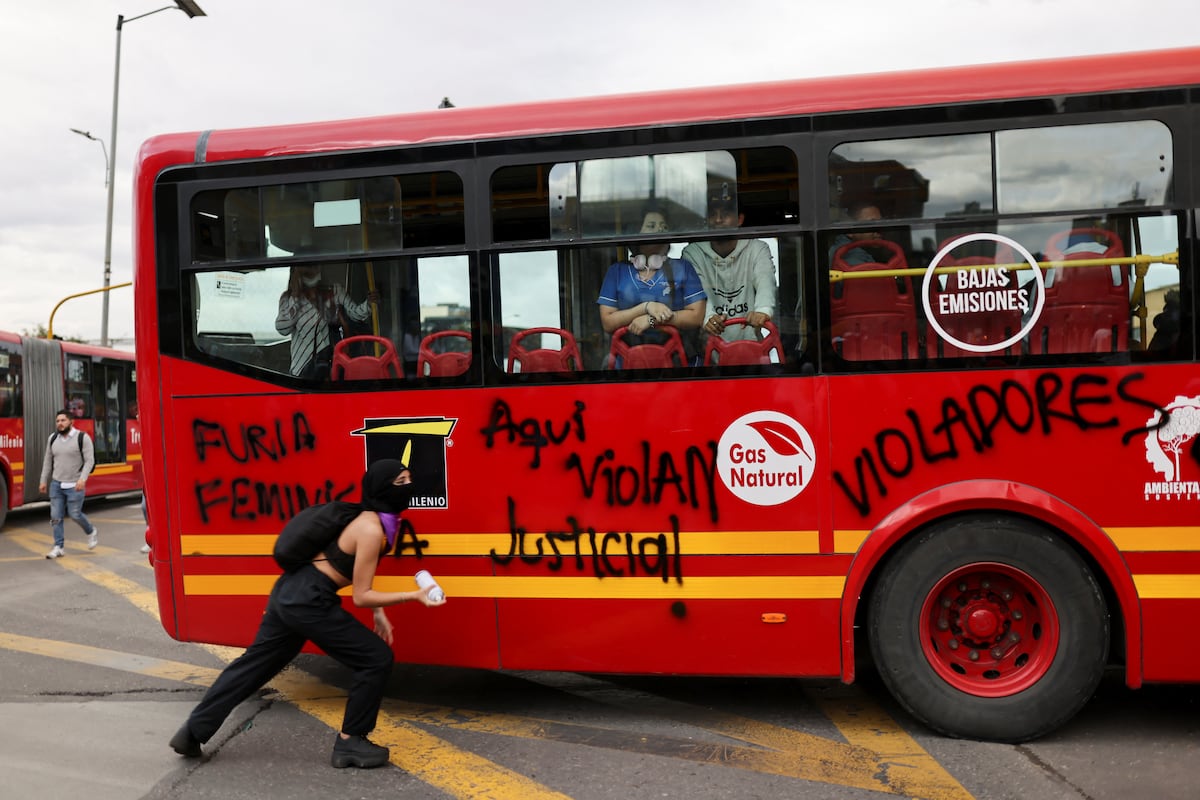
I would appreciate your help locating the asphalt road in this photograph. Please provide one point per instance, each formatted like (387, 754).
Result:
(91, 688)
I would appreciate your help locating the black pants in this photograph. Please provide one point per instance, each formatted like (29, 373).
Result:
(304, 606)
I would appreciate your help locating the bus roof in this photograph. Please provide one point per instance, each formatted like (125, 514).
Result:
(1041, 78)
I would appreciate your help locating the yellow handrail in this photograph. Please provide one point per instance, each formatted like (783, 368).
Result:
(1142, 262)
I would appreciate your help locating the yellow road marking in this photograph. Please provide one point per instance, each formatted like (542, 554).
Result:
(99, 657)
(878, 755)
(904, 764)
(459, 773)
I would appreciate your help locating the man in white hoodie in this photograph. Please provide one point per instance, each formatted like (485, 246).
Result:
(738, 274)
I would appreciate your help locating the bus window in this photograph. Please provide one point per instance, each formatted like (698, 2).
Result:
(335, 217)
(109, 438)
(611, 192)
(928, 177)
(1083, 166)
(540, 312)
(241, 316)
(1101, 285)
(440, 305)
(605, 197)
(79, 387)
(10, 385)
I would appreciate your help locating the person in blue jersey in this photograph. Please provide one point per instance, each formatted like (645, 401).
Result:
(651, 288)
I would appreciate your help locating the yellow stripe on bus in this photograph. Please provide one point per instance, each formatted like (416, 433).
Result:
(1167, 587)
(746, 543)
(752, 587)
(113, 469)
(1163, 539)
(849, 541)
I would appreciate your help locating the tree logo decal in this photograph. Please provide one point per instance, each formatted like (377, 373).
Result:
(765, 458)
(1166, 447)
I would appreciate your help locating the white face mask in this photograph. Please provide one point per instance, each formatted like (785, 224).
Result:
(311, 280)
(653, 262)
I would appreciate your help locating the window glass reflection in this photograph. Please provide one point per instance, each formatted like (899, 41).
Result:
(1083, 166)
(929, 177)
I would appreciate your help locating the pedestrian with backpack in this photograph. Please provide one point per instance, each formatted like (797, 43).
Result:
(323, 549)
(70, 458)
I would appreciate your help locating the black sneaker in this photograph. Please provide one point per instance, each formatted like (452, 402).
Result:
(357, 752)
(184, 743)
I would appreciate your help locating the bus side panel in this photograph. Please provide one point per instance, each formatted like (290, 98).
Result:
(1164, 579)
(690, 520)
(1087, 438)
(718, 637)
(12, 461)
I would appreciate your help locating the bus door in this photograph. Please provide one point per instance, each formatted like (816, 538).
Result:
(109, 404)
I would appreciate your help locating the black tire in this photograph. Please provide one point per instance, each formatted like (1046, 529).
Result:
(989, 627)
(3, 502)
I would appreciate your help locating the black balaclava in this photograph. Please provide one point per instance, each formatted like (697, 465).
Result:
(378, 491)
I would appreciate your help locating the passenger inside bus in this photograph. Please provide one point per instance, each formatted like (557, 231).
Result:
(651, 288)
(311, 311)
(863, 211)
(1167, 324)
(738, 275)
(411, 346)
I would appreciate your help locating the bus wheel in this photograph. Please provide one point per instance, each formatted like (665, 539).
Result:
(989, 627)
(3, 502)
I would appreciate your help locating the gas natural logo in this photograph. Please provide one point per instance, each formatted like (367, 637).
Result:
(765, 458)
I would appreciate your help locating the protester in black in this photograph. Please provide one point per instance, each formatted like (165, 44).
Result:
(304, 606)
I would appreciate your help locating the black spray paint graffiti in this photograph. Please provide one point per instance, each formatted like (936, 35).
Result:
(242, 498)
(646, 481)
(407, 541)
(531, 432)
(254, 442)
(609, 554)
(1085, 403)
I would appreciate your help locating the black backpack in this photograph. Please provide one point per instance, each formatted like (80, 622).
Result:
(308, 533)
(79, 439)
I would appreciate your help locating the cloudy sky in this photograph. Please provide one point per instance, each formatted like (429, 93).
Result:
(257, 62)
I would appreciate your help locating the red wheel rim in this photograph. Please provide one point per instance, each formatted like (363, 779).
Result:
(989, 630)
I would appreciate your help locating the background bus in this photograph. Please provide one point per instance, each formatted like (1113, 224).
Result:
(96, 385)
(966, 451)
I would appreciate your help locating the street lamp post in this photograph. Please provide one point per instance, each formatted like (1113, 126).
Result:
(190, 8)
(88, 135)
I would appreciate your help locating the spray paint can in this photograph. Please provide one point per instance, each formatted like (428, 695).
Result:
(423, 579)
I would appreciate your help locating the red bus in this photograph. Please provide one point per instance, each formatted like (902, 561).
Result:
(95, 384)
(962, 449)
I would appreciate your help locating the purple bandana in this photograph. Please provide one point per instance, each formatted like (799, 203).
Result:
(391, 524)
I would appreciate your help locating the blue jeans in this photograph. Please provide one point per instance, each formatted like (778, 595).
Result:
(66, 502)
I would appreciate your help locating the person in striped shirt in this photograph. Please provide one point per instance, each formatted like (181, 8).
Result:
(307, 311)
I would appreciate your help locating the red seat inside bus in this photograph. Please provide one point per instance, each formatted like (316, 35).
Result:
(522, 358)
(1087, 308)
(668, 354)
(385, 363)
(971, 327)
(744, 352)
(873, 318)
(435, 361)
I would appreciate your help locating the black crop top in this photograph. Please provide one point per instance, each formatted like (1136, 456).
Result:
(342, 562)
